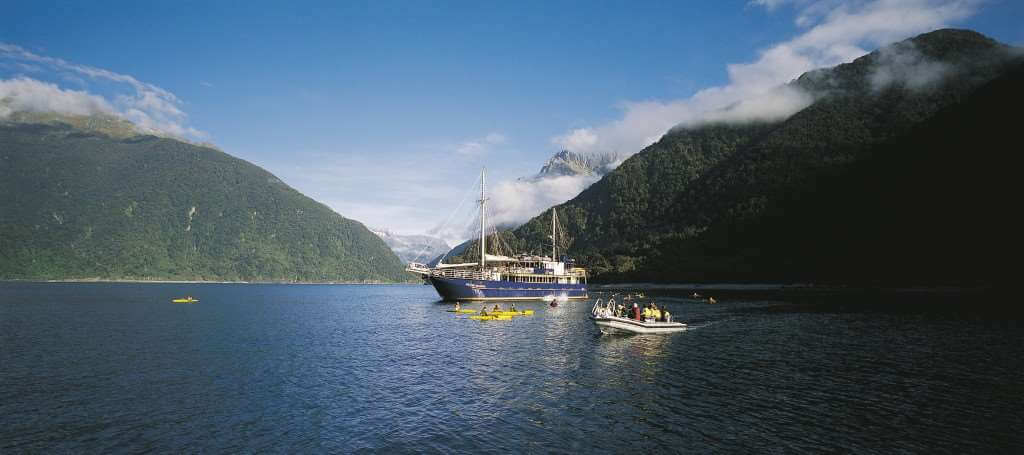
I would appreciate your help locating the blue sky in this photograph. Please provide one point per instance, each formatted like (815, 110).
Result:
(385, 111)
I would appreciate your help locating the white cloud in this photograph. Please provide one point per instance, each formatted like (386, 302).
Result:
(836, 32)
(906, 66)
(509, 203)
(769, 4)
(150, 107)
(480, 146)
(577, 139)
(495, 138)
(471, 148)
(405, 193)
(774, 104)
(516, 201)
(30, 95)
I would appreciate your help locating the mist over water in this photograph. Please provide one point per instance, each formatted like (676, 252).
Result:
(285, 368)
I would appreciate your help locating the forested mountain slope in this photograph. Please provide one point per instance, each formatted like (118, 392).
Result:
(706, 201)
(79, 203)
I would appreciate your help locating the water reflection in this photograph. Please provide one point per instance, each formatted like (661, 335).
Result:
(270, 368)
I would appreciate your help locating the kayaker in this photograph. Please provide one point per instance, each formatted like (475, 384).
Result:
(512, 308)
(496, 308)
(457, 307)
(665, 314)
(656, 311)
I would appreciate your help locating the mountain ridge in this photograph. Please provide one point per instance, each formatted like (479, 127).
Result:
(715, 174)
(412, 247)
(85, 204)
(567, 163)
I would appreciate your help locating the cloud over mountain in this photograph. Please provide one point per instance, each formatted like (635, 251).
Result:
(151, 108)
(29, 95)
(757, 91)
(836, 32)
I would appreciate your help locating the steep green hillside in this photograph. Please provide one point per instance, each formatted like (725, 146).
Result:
(931, 206)
(83, 204)
(697, 189)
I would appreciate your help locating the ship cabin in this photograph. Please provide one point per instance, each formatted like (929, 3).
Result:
(536, 269)
(520, 269)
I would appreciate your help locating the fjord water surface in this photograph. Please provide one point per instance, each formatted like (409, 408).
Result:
(94, 367)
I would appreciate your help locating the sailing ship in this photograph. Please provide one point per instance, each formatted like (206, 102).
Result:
(499, 277)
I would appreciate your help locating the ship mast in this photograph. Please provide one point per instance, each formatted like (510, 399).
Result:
(553, 235)
(483, 214)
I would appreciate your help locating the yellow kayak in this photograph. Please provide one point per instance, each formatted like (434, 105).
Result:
(186, 300)
(514, 313)
(491, 318)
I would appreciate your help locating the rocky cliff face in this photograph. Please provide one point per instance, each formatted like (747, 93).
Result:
(566, 163)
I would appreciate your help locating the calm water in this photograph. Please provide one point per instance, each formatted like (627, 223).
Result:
(115, 367)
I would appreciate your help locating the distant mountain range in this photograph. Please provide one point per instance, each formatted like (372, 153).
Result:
(413, 248)
(566, 163)
(89, 197)
(562, 164)
(890, 175)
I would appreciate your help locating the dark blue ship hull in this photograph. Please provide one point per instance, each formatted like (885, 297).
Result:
(462, 289)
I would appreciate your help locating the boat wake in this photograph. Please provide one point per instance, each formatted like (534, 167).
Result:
(690, 326)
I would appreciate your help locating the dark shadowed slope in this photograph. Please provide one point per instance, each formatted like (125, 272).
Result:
(675, 210)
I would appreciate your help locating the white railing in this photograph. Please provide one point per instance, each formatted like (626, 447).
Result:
(476, 274)
(416, 267)
(461, 273)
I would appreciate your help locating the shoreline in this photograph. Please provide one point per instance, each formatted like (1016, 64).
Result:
(799, 288)
(805, 288)
(98, 280)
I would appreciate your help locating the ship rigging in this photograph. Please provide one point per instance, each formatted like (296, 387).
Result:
(501, 277)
